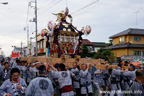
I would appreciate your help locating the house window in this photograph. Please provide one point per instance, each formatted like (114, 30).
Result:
(136, 38)
(138, 53)
(121, 40)
(91, 48)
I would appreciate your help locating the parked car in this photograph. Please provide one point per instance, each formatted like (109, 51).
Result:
(134, 62)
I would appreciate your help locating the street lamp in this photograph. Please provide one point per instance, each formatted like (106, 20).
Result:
(4, 3)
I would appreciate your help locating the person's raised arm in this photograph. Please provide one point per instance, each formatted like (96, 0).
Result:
(87, 66)
(99, 72)
(52, 67)
(92, 64)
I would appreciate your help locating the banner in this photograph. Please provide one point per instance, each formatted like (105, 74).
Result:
(15, 55)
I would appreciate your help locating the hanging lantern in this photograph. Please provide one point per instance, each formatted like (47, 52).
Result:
(87, 30)
(66, 12)
(50, 27)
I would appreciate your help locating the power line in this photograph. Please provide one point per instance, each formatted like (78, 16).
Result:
(43, 2)
(46, 4)
(85, 7)
(50, 7)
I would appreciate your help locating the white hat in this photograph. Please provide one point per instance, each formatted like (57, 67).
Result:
(33, 64)
(37, 63)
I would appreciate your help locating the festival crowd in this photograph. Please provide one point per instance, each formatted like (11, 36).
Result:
(19, 78)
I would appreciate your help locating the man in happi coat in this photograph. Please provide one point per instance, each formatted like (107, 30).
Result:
(64, 79)
(137, 87)
(76, 79)
(15, 86)
(85, 81)
(115, 82)
(40, 86)
(5, 73)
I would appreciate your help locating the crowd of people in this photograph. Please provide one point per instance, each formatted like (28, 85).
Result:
(19, 78)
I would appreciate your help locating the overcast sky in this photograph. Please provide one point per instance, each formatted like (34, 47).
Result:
(106, 17)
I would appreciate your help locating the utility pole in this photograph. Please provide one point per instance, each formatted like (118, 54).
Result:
(27, 29)
(35, 20)
(27, 37)
(30, 45)
(36, 25)
(27, 41)
(21, 49)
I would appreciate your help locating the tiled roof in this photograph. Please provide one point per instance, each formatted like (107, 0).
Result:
(128, 45)
(87, 42)
(130, 31)
(99, 44)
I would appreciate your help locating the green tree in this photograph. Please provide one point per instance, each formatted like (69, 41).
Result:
(98, 54)
(84, 52)
(111, 57)
(110, 43)
(104, 54)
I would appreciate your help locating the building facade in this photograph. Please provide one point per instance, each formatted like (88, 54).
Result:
(128, 42)
(41, 43)
(19, 52)
(93, 46)
(98, 45)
